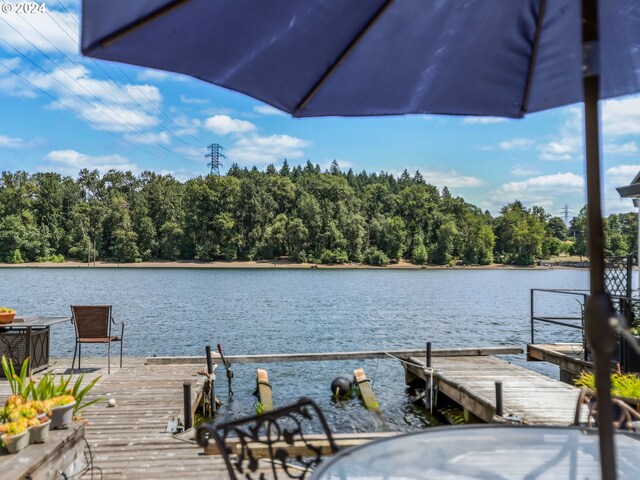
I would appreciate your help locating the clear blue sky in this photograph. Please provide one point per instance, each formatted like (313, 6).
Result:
(78, 113)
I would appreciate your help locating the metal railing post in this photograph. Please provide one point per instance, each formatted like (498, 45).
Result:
(532, 327)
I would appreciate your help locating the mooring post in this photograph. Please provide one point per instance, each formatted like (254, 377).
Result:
(212, 390)
(499, 405)
(428, 354)
(428, 389)
(186, 396)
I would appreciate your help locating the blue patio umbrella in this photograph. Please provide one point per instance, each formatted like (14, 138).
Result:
(383, 57)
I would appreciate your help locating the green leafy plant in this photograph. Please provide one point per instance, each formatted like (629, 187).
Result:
(79, 394)
(18, 383)
(47, 389)
(43, 389)
(625, 385)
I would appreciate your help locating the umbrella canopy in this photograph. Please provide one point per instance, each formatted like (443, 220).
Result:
(379, 57)
(383, 57)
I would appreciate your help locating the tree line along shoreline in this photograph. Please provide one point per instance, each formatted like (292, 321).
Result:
(302, 213)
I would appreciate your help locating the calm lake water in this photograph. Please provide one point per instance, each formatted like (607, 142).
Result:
(179, 311)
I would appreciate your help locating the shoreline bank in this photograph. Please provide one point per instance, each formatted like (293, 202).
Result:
(281, 264)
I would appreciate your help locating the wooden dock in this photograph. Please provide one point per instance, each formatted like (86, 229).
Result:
(336, 356)
(529, 397)
(568, 356)
(130, 440)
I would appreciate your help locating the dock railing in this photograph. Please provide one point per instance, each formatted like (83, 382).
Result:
(624, 305)
(574, 322)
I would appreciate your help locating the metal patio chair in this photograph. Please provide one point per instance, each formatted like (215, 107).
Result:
(624, 416)
(281, 435)
(93, 325)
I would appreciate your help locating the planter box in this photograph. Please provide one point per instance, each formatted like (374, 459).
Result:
(18, 344)
(63, 452)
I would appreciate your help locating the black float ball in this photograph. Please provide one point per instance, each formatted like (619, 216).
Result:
(342, 385)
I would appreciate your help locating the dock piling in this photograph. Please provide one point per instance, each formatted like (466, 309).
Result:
(186, 397)
(263, 387)
(211, 390)
(499, 404)
(428, 354)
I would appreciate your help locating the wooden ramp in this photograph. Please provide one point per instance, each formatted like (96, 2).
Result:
(568, 356)
(470, 381)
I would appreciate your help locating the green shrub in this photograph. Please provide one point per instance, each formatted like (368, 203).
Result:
(331, 257)
(55, 258)
(376, 257)
(16, 257)
(420, 255)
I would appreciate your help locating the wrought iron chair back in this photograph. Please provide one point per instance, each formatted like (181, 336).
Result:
(281, 435)
(624, 418)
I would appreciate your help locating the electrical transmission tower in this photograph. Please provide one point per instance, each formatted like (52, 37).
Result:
(215, 154)
(565, 212)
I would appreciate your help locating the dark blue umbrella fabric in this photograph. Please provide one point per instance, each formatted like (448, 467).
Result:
(375, 57)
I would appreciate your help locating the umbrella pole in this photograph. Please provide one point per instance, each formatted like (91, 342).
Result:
(599, 308)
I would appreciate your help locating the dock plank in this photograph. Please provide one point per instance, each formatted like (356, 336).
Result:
(532, 397)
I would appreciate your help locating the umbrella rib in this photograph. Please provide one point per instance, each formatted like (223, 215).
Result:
(127, 29)
(345, 53)
(534, 55)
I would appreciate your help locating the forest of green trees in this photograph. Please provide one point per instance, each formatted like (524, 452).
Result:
(301, 213)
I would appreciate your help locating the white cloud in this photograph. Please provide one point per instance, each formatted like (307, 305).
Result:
(193, 100)
(444, 178)
(524, 171)
(560, 150)
(187, 126)
(268, 110)
(621, 117)
(343, 165)
(69, 162)
(149, 138)
(629, 148)
(11, 142)
(450, 179)
(192, 154)
(482, 120)
(258, 149)
(542, 190)
(29, 25)
(224, 124)
(11, 84)
(516, 144)
(149, 75)
(104, 104)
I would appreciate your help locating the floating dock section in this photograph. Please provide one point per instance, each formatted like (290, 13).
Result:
(527, 397)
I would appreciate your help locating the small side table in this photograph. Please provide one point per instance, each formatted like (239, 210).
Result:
(28, 338)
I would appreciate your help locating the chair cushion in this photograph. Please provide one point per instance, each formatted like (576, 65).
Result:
(98, 339)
